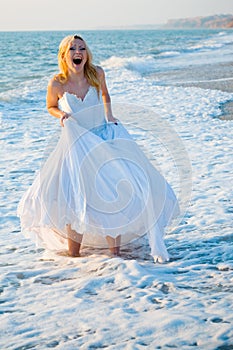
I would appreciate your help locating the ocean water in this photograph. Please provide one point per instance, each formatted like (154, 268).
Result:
(94, 302)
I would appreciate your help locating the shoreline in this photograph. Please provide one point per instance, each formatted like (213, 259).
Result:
(217, 76)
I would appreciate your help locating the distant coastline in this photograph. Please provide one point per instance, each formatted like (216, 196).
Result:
(211, 22)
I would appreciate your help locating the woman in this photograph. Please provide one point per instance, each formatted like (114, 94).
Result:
(97, 186)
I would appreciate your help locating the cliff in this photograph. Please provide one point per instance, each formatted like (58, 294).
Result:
(216, 21)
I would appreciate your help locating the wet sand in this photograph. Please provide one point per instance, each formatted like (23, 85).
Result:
(213, 76)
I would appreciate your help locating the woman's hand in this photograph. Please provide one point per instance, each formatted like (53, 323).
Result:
(111, 119)
(64, 117)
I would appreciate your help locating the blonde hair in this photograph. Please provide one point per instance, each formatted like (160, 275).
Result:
(90, 70)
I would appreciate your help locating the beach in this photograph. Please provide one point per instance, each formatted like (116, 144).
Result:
(172, 90)
(209, 76)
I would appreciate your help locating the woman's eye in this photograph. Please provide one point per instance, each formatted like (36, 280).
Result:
(73, 48)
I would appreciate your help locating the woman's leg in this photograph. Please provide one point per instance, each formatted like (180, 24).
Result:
(74, 241)
(114, 244)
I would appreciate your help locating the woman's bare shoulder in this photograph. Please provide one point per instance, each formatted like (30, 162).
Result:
(100, 71)
(55, 85)
(55, 82)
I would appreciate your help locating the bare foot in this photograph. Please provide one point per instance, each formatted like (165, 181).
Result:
(73, 248)
(74, 242)
(114, 245)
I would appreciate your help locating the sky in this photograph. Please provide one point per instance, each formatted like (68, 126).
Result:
(16, 15)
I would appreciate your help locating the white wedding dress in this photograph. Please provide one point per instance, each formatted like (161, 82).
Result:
(98, 180)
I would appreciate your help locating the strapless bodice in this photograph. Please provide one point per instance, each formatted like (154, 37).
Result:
(88, 112)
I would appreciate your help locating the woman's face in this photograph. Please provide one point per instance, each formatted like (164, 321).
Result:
(77, 55)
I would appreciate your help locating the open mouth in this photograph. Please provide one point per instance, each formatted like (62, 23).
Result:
(77, 60)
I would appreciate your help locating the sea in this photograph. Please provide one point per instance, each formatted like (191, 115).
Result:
(96, 301)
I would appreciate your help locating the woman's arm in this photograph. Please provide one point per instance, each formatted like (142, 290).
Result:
(106, 96)
(54, 92)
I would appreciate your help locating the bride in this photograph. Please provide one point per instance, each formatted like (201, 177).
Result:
(97, 187)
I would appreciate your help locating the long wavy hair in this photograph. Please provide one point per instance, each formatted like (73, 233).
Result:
(90, 71)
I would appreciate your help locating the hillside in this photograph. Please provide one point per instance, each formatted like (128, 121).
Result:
(215, 21)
